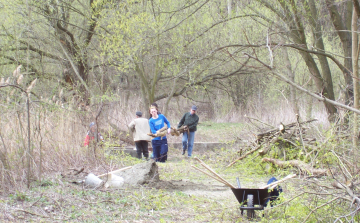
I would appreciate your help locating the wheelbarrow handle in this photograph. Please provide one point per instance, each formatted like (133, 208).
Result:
(238, 182)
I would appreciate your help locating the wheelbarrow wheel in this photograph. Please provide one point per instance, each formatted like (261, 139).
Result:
(250, 203)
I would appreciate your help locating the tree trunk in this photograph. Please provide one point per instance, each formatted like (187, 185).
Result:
(292, 18)
(355, 57)
(309, 100)
(345, 37)
(291, 76)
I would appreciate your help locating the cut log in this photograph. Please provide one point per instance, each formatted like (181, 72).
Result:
(158, 134)
(174, 132)
(304, 167)
(162, 129)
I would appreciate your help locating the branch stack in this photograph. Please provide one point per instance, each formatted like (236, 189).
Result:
(290, 135)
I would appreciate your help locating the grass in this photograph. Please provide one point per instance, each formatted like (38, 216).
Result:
(56, 199)
(59, 200)
(219, 132)
(190, 196)
(64, 201)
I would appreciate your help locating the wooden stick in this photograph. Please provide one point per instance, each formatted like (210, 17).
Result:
(212, 171)
(277, 182)
(210, 175)
(217, 175)
(245, 155)
(115, 171)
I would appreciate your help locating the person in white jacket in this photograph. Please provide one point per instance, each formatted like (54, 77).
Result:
(140, 127)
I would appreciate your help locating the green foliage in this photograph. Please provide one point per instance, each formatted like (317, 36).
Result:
(21, 196)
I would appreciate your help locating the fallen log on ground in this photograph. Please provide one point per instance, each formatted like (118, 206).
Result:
(303, 167)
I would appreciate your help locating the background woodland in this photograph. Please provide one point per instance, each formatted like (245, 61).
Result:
(66, 63)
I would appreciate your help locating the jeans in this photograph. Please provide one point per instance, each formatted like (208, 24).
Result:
(160, 149)
(142, 147)
(188, 142)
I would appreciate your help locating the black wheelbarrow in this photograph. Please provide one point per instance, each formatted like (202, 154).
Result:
(251, 199)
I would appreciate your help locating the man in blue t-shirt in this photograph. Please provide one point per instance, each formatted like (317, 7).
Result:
(159, 144)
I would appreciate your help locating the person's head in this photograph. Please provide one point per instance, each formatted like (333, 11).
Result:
(153, 111)
(193, 109)
(155, 105)
(92, 127)
(138, 114)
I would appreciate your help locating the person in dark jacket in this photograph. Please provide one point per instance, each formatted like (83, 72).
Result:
(190, 120)
(274, 194)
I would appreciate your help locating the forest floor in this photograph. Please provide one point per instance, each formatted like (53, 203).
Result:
(182, 195)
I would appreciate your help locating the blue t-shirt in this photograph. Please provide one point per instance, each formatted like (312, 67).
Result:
(156, 124)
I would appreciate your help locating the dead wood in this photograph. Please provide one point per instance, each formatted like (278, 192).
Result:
(162, 129)
(258, 121)
(122, 135)
(274, 184)
(174, 132)
(303, 167)
(245, 155)
(178, 131)
(289, 134)
(268, 147)
(220, 179)
(288, 126)
(157, 134)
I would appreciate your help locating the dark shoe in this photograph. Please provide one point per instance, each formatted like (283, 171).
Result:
(183, 153)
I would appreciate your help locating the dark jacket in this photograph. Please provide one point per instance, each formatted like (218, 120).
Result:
(190, 120)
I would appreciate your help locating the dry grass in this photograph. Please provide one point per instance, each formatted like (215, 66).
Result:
(56, 142)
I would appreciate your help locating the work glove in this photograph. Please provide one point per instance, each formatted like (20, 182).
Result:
(169, 130)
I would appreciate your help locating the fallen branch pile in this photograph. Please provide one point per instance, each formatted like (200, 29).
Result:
(303, 167)
(293, 136)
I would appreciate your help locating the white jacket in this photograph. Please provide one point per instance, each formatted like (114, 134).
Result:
(140, 128)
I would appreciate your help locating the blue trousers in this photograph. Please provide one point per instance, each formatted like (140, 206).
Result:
(160, 149)
(188, 142)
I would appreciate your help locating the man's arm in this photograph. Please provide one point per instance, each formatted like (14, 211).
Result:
(182, 120)
(132, 125)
